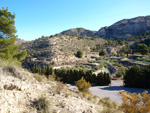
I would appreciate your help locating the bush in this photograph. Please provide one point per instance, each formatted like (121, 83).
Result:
(102, 52)
(122, 54)
(121, 72)
(133, 103)
(83, 85)
(79, 54)
(137, 58)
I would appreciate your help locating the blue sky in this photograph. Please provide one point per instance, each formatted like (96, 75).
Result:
(35, 18)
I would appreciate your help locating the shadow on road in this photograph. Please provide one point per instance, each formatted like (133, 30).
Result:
(131, 90)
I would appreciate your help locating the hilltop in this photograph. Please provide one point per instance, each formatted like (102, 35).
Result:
(79, 31)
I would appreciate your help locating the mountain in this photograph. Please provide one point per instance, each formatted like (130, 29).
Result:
(126, 28)
(123, 29)
(79, 31)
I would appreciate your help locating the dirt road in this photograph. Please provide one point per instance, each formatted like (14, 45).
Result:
(112, 92)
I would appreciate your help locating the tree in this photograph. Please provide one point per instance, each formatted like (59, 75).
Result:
(102, 52)
(79, 54)
(7, 27)
(103, 79)
(8, 49)
(137, 76)
(126, 49)
(141, 48)
(120, 42)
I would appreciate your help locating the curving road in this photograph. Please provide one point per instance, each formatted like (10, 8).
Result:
(112, 92)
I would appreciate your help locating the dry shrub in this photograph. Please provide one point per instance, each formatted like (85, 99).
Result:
(39, 78)
(41, 104)
(83, 85)
(109, 106)
(106, 102)
(132, 103)
(12, 67)
(60, 86)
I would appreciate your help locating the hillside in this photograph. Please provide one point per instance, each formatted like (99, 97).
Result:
(23, 92)
(59, 50)
(122, 29)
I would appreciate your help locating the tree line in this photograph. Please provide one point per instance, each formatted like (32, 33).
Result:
(70, 76)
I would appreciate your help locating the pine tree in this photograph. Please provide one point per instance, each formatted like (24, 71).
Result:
(8, 49)
(7, 24)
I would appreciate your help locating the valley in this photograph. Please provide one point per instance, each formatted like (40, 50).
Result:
(76, 70)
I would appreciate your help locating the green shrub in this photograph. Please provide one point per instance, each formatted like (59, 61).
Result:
(102, 52)
(117, 64)
(143, 58)
(120, 73)
(83, 85)
(122, 54)
(79, 54)
(137, 58)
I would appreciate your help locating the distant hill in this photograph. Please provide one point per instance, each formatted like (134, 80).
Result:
(79, 31)
(123, 29)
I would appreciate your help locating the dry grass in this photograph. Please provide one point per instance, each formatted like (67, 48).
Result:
(41, 104)
(109, 106)
(39, 78)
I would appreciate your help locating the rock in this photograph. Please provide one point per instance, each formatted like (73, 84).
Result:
(11, 87)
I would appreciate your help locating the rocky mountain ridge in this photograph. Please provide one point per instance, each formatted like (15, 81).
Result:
(123, 29)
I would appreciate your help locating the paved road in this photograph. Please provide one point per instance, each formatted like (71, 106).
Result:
(112, 92)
